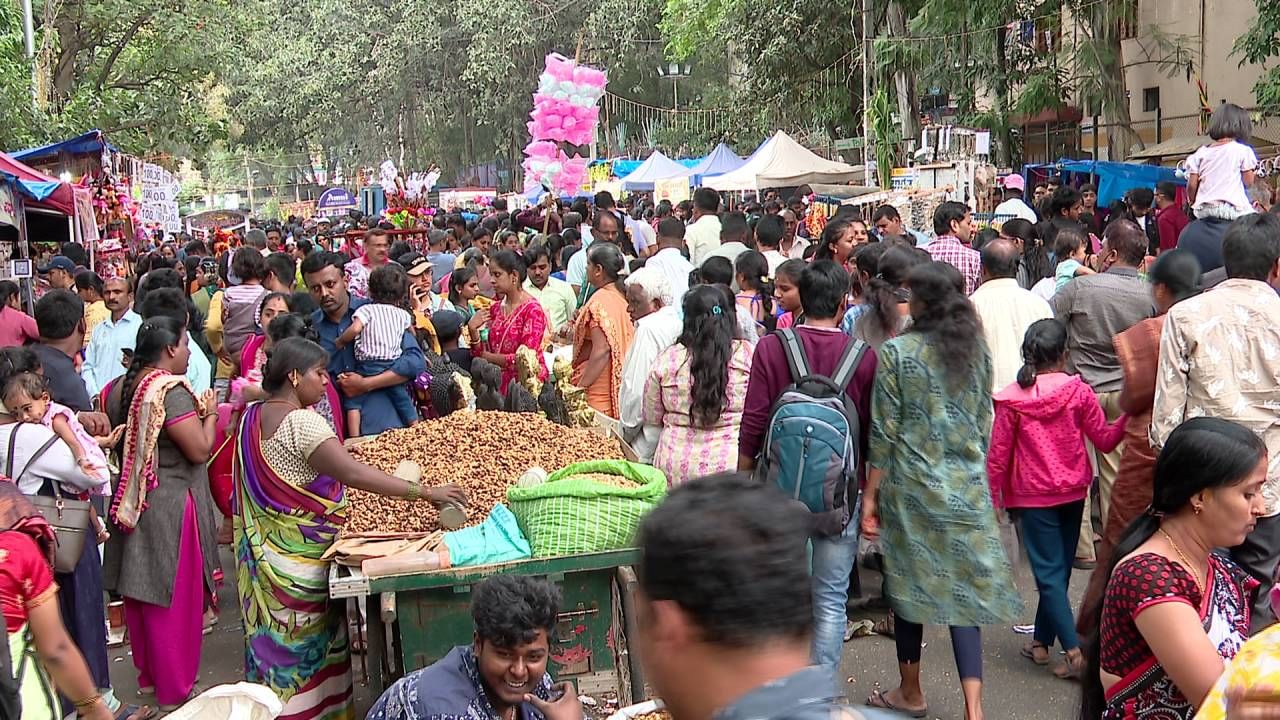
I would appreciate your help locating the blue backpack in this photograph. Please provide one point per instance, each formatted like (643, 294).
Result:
(811, 445)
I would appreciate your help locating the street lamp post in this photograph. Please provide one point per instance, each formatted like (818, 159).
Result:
(676, 72)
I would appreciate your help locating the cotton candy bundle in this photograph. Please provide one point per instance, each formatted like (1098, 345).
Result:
(564, 111)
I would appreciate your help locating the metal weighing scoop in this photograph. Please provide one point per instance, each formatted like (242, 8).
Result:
(452, 517)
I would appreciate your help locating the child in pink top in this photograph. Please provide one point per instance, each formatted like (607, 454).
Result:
(26, 398)
(786, 292)
(1220, 173)
(1038, 465)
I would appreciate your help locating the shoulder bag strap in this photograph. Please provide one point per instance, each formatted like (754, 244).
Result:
(8, 466)
(794, 351)
(850, 359)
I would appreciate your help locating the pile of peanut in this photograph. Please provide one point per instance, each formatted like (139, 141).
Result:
(483, 451)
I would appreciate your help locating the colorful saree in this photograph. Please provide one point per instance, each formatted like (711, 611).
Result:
(607, 311)
(296, 638)
(526, 326)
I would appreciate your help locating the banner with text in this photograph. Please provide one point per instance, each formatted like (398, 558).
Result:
(159, 203)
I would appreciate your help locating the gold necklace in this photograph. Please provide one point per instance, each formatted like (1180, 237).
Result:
(1192, 568)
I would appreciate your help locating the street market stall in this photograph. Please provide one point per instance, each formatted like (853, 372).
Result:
(36, 211)
(107, 177)
(656, 167)
(782, 162)
(721, 160)
(560, 499)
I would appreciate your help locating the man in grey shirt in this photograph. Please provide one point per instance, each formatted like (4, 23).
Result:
(726, 606)
(1095, 308)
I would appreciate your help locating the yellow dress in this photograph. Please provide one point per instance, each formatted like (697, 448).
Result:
(94, 313)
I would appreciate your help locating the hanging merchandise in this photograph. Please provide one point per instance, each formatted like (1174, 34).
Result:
(564, 117)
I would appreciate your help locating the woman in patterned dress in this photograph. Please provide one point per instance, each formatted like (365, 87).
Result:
(697, 389)
(288, 514)
(603, 331)
(1173, 611)
(516, 321)
(927, 495)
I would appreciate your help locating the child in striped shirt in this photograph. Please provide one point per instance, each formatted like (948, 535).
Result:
(377, 329)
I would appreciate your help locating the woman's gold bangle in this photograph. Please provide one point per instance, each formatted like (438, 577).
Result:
(415, 490)
(88, 702)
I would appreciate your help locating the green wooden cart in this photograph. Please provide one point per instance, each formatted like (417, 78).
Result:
(414, 620)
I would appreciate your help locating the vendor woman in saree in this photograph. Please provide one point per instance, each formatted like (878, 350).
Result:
(288, 513)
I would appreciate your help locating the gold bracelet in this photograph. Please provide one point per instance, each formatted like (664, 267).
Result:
(415, 490)
(88, 702)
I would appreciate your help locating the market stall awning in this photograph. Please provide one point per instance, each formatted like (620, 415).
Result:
(1181, 147)
(656, 167)
(43, 191)
(91, 142)
(721, 160)
(782, 162)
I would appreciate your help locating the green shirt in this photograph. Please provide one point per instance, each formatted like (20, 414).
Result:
(557, 301)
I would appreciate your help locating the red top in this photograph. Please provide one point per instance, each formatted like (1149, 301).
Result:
(526, 326)
(26, 580)
(1170, 222)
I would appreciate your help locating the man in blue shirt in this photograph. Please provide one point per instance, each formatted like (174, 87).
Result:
(103, 359)
(323, 274)
(502, 675)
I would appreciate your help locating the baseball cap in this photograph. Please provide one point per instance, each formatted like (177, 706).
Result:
(1014, 181)
(415, 264)
(59, 262)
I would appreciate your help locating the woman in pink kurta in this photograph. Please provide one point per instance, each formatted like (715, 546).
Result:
(517, 321)
(697, 389)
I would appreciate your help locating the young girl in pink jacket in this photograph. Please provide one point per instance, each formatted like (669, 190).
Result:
(1038, 466)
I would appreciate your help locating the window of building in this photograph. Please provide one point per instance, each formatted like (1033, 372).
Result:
(1151, 99)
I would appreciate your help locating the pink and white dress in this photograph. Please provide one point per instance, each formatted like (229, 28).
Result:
(684, 450)
(89, 445)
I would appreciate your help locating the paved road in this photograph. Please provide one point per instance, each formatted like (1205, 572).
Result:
(1014, 689)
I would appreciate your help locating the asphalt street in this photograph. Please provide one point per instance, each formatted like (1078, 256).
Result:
(1014, 688)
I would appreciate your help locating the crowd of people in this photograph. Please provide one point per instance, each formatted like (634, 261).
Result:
(1102, 379)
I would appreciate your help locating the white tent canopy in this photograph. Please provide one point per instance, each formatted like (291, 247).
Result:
(781, 162)
(656, 167)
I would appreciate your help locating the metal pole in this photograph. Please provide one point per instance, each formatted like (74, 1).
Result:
(29, 45)
(675, 92)
(866, 103)
(248, 174)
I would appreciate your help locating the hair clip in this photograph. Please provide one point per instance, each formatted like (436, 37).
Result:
(717, 310)
(1151, 510)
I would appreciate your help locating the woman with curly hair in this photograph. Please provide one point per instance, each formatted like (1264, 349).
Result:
(697, 389)
(927, 486)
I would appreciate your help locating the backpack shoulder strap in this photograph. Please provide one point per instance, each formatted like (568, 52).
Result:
(794, 352)
(850, 359)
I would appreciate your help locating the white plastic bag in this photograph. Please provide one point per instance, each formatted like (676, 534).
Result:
(241, 701)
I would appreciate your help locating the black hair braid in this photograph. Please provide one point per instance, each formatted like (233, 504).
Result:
(136, 366)
(769, 320)
(1043, 346)
(710, 324)
(947, 320)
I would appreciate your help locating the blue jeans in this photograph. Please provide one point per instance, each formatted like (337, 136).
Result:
(833, 559)
(400, 396)
(1050, 535)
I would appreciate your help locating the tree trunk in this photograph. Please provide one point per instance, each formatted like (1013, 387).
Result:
(64, 68)
(1001, 132)
(903, 81)
(1114, 96)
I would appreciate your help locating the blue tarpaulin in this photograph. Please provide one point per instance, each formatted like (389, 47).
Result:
(92, 142)
(1117, 178)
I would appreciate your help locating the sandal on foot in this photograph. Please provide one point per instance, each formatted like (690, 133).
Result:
(884, 626)
(1072, 669)
(880, 700)
(134, 712)
(1036, 653)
